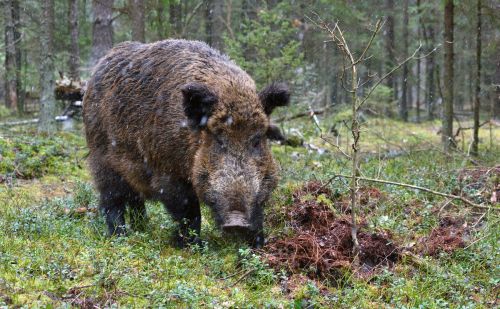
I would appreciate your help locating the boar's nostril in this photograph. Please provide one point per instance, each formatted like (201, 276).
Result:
(235, 221)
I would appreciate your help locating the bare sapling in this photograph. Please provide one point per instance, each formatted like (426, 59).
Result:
(350, 71)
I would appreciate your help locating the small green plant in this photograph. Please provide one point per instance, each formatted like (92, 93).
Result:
(260, 272)
(4, 111)
(84, 195)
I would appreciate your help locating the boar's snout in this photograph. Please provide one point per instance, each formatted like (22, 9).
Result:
(236, 222)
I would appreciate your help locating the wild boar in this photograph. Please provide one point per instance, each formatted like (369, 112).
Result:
(179, 122)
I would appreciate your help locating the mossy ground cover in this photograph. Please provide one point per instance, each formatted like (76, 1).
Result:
(54, 252)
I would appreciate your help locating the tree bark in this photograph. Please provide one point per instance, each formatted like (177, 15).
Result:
(102, 29)
(447, 120)
(160, 27)
(11, 74)
(74, 57)
(477, 102)
(47, 100)
(19, 61)
(215, 23)
(403, 108)
(419, 67)
(137, 12)
(430, 71)
(390, 46)
(496, 102)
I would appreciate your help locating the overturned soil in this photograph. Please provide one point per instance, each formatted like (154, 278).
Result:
(447, 237)
(321, 243)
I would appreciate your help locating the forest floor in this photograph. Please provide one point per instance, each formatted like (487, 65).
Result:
(418, 249)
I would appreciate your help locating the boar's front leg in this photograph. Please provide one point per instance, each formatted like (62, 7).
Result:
(182, 203)
(114, 191)
(115, 194)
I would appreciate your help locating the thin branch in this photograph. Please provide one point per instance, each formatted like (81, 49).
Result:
(387, 182)
(378, 26)
(335, 145)
(387, 75)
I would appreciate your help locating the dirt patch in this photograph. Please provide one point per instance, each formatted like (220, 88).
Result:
(484, 180)
(322, 244)
(448, 237)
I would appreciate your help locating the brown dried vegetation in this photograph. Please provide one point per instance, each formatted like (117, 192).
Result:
(321, 244)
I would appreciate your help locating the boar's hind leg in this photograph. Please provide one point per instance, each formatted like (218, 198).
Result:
(182, 203)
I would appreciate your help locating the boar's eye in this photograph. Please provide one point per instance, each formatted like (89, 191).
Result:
(220, 142)
(256, 142)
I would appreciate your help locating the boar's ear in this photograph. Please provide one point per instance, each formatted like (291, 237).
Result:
(274, 133)
(198, 104)
(274, 95)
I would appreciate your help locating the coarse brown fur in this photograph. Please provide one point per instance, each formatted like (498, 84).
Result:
(178, 122)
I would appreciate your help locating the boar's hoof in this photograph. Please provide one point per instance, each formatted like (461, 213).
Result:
(258, 241)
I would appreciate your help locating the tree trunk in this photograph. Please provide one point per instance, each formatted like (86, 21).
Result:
(74, 50)
(175, 19)
(496, 102)
(102, 29)
(19, 61)
(326, 76)
(137, 12)
(419, 12)
(160, 27)
(403, 108)
(447, 120)
(477, 102)
(11, 90)
(47, 100)
(215, 24)
(390, 46)
(430, 71)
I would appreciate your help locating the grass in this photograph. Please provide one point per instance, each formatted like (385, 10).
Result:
(54, 252)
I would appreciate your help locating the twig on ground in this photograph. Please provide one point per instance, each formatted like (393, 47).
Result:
(475, 241)
(452, 196)
(232, 275)
(241, 278)
(478, 220)
(446, 203)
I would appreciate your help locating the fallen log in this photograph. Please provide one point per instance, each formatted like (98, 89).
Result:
(18, 123)
(69, 90)
(300, 115)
